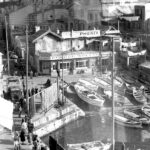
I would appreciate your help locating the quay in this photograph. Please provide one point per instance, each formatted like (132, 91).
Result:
(6, 136)
(56, 117)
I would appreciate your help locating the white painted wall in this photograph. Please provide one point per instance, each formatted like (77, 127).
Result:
(47, 44)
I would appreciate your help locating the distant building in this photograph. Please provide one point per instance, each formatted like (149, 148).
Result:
(138, 24)
(84, 15)
(54, 17)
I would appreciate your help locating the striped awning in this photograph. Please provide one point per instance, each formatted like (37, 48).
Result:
(130, 18)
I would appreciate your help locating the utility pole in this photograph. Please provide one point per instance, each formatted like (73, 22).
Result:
(100, 57)
(62, 78)
(27, 51)
(42, 11)
(113, 103)
(7, 45)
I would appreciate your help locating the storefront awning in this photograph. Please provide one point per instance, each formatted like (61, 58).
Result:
(133, 54)
(130, 18)
(130, 53)
(145, 65)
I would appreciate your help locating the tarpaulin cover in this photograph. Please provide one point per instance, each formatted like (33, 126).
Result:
(6, 113)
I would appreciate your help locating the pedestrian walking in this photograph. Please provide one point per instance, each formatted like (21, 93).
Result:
(32, 91)
(36, 143)
(29, 92)
(24, 92)
(21, 102)
(16, 141)
(22, 137)
(24, 127)
(36, 90)
(20, 111)
(30, 131)
(26, 118)
(31, 74)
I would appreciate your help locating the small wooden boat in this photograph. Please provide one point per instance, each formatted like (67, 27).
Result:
(139, 97)
(147, 94)
(122, 120)
(88, 84)
(136, 96)
(137, 117)
(106, 84)
(88, 95)
(102, 83)
(94, 145)
(146, 110)
(127, 79)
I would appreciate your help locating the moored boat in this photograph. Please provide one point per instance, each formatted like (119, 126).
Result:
(88, 95)
(139, 97)
(147, 94)
(106, 84)
(127, 79)
(102, 83)
(122, 120)
(146, 110)
(136, 96)
(88, 84)
(137, 117)
(94, 145)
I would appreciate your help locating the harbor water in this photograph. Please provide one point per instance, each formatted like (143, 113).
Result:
(97, 125)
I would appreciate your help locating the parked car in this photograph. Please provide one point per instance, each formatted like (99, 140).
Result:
(15, 88)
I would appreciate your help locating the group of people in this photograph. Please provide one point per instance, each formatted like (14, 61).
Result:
(26, 135)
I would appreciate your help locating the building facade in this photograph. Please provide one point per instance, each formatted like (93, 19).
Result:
(54, 52)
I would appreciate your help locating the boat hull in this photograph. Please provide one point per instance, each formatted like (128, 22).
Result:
(95, 145)
(128, 125)
(133, 100)
(127, 122)
(145, 112)
(89, 101)
(84, 98)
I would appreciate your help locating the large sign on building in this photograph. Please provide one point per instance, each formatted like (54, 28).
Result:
(74, 55)
(78, 34)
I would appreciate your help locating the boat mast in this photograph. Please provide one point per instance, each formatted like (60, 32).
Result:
(113, 104)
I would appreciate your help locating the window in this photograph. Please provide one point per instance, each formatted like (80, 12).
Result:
(46, 65)
(66, 65)
(104, 62)
(96, 17)
(81, 63)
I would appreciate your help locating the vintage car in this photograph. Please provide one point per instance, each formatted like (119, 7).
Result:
(14, 88)
(15, 93)
(13, 80)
